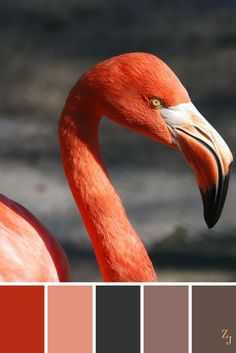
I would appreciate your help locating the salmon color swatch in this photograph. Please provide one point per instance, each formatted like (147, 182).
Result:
(166, 319)
(70, 319)
(21, 319)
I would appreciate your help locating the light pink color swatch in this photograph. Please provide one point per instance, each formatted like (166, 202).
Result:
(69, 319)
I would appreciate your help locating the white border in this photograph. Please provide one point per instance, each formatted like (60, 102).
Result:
(190, 318)
(45, 318)
(141, 318)
(94, 318)
(175, 284)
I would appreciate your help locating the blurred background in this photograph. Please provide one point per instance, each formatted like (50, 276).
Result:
(45, 47)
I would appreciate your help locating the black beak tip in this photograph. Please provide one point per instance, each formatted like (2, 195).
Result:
(213, 201)
(211, 214)
(210, 222)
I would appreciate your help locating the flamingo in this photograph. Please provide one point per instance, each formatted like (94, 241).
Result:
(139, 92)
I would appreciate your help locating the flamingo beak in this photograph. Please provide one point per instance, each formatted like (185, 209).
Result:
(207, 154)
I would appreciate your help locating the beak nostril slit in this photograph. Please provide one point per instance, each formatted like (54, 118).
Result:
(203, 133)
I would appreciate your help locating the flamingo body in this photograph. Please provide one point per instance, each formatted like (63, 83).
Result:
(28, 252)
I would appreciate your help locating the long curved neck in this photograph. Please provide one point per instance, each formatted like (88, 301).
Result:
(120, 253)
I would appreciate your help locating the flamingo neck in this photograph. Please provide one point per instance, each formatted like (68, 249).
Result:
(119, 251)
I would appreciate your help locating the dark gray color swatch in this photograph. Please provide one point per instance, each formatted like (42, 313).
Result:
(118, 319)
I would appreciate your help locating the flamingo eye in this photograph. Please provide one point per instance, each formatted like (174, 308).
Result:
(156, 103)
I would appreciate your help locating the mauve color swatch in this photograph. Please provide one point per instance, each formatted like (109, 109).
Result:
(70, 319)
(21, 319)
(118, 319)
(214, 319)
(165, 319)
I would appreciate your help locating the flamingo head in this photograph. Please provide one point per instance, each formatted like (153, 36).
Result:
(140, 92)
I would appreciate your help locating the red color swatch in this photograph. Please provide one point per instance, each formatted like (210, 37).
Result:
(22, 319)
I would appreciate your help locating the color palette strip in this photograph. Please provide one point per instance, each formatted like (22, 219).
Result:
(117, 318)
